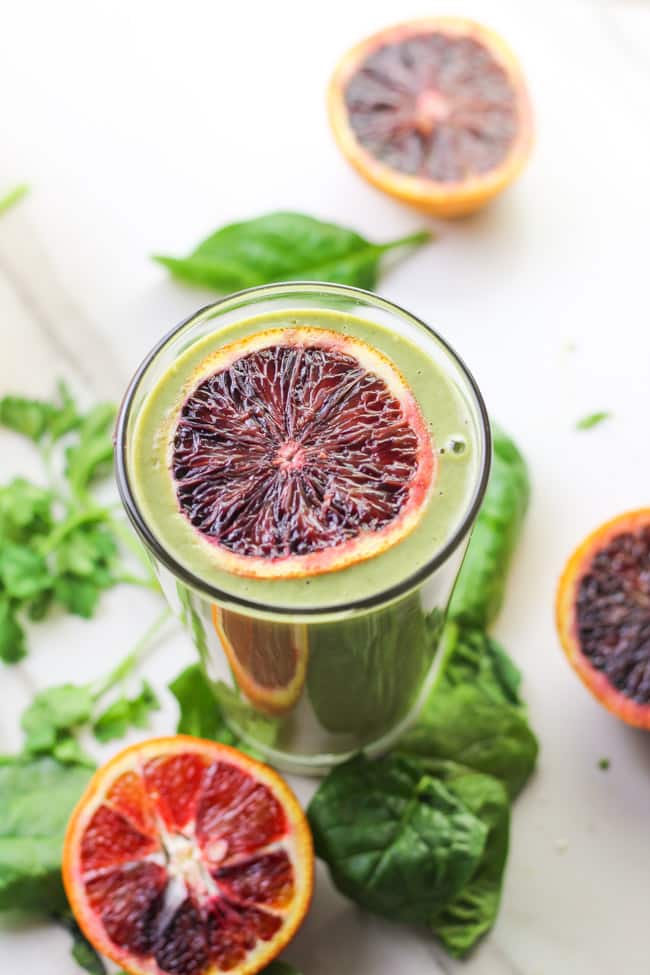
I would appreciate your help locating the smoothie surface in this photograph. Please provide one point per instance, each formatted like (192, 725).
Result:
(449, 419)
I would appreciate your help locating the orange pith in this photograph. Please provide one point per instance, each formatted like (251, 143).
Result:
(268, 660)
(438, 197)
(298, 451)
(630, 525)
(185, 857)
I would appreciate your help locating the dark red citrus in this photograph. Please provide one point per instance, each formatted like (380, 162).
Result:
(300, 451)
(186, 857)
(268, 659)
(603, 615)
(435, 112)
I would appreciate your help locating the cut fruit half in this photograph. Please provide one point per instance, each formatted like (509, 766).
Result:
(299, 451)
(434, 112)
(185, 857)
(268, 659)
(603, 615)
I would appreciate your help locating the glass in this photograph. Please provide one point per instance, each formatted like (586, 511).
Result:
(308, 689)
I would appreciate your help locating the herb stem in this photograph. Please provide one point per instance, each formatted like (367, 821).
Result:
(69, 525)
(130, 662)
(130, 579)
(411, 240)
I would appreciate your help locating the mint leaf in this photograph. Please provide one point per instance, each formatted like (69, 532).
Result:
(284, 247)
(592, 420)
(124, 713)
(37, 797)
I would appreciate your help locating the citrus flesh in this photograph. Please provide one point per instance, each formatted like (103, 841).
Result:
(435, 112)
(299, 451)
(603, 615)
(186, 857)
(268, 659)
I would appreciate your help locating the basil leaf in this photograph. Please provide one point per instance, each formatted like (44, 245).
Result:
(284, 247)
(37, 797)
(480, 587)
(397, 841)
(473, 715)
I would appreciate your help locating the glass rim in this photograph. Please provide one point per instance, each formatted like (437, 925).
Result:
(195, 582)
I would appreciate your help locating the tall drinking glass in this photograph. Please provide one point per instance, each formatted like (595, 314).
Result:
(310, 671)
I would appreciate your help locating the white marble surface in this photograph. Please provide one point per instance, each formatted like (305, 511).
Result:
(141, 127)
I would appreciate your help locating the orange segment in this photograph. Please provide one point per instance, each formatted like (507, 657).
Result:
(221, 883)
(434, 112)
(268, 659)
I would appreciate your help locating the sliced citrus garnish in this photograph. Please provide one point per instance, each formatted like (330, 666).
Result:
(603, 615)
(435, 112)
(268, 659)
(185, 857)
(299, 451)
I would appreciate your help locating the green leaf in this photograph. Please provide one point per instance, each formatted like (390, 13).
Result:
(23, 572)
(79, 596)
(92, 454)
(12, 636)
(471, 914)
(480, 587)
(125, 713)
(29, 417)
(284, 247)
(473, 715)
(25, 511)
(397, 841)
(53, 711)
(592, 420)
(37, 797)
(12, 197)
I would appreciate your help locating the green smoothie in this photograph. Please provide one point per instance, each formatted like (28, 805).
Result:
(450, 421)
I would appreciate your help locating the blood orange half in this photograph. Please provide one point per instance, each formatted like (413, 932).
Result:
(185, 857)
(435, 112)
(603, 615)
(299, 451)
(268, 659)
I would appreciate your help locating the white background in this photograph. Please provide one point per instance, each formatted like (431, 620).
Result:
(142, 127)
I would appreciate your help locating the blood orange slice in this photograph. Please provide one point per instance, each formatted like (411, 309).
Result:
(435, 112)
(603, 615)
(268, 659)
(185, 857)
(299, 451)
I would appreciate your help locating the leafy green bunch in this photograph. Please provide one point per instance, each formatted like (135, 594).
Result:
(58, 546)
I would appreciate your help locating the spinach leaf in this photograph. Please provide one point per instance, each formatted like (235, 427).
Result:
(473, 714)
(125, 713)
(480, 587)
(284, 247)
(397, 841)
(201, 711)
(469, 916)
(37, 796)
(364, 673)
